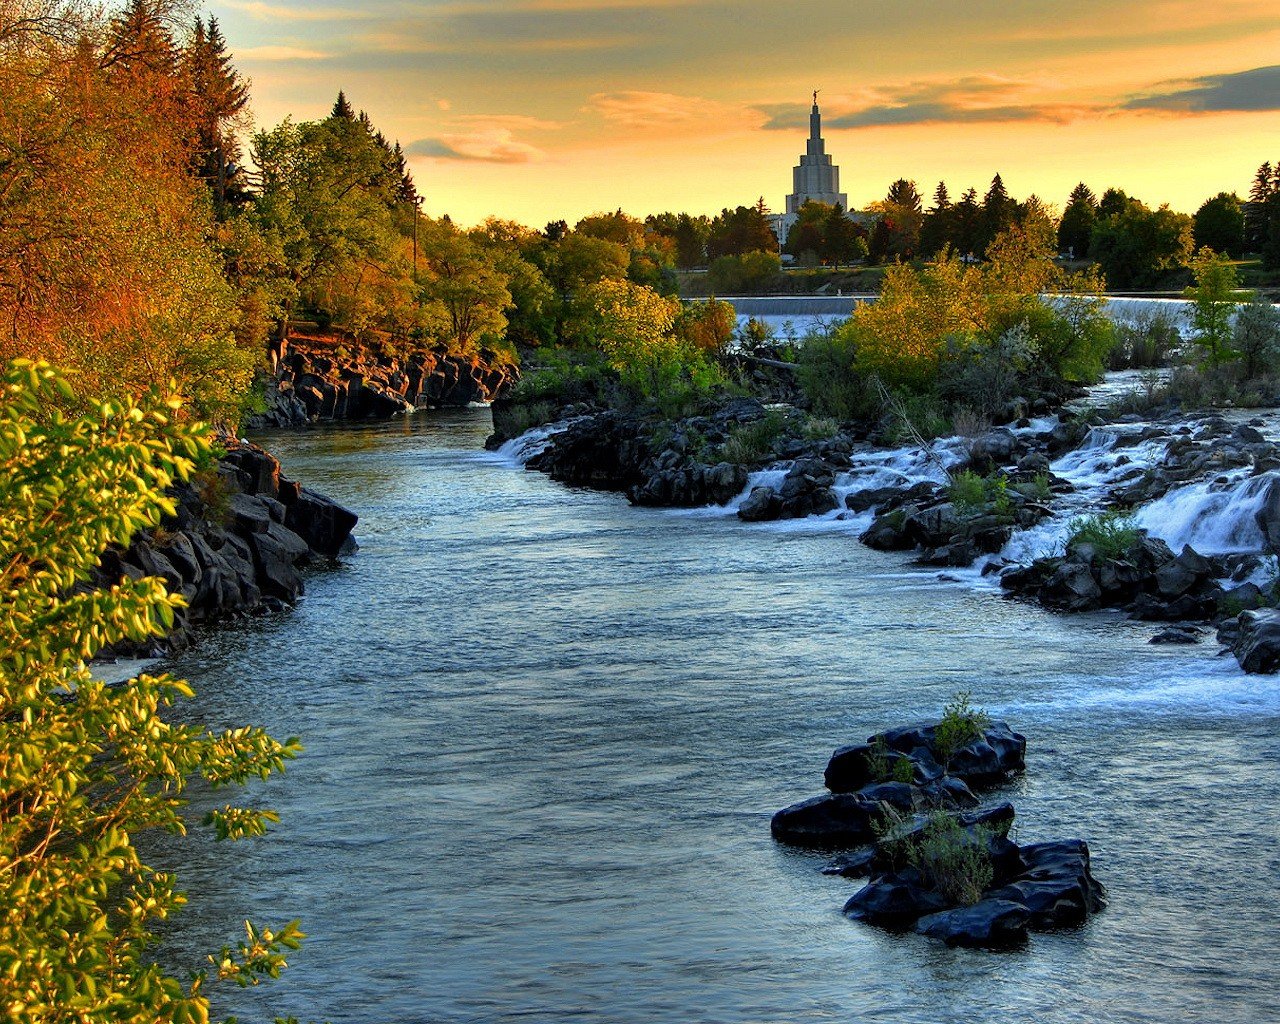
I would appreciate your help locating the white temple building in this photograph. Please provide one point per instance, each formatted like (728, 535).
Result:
(815, 178)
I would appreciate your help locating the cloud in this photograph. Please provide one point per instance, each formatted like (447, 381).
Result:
(1252, 90)
(492, 145)
(973, 99)
(281, 12)
(278, 53)
(666, 111)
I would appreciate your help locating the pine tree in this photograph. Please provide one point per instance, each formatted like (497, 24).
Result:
(140, 43)
(218, 95)
(342, 108)
(1255, 210)
(968, 223)
(938, 230)
(1076, 227)
(998, 212)
(408, 190)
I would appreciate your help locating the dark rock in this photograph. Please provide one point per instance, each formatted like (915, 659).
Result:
(1178, 635)
(761, 505)
(852, 865)
(893, 902)
(830, 821)
(992, 923)
(320, 521)
(1257, 641)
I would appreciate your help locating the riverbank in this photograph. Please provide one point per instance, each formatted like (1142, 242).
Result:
(331, 376)
(1192, 547)
(236, 548)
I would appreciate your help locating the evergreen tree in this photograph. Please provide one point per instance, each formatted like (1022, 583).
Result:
(967, 224)
(998, 212)
(938, 230)
(841, 238)
(1076, 227)
(342, 108)
(1114, 201)
(140, 43)
(905, 194)
(408, 189)
(218, 96)
(1255, 225)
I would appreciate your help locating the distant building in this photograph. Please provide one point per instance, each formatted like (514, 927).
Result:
(814, 179)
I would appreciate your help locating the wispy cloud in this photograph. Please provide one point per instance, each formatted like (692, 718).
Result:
(1252, 90)
(306, 12)
(640, 110)
(972, 99)
(486, 145)
(278, 53)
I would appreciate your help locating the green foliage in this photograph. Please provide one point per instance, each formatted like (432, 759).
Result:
(749, 443)
(1256, 338)
(829, 378)
(961, 724)
(1146, 342)
(955, 862)
(968, 492)
(85, 766)
(749, 271)
(819, 428)
(1111, 534)
(1134, 245)
(1214, 299)
(1219, 225)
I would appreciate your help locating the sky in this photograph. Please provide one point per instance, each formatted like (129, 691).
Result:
(536, 110)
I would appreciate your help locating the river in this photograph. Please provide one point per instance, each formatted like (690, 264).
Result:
(545, 732)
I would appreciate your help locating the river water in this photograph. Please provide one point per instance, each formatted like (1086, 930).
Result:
(545, 732)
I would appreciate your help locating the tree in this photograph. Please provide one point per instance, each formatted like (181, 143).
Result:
(843, 241)
(806, 240)
(897, 232)
(968, 224)
(998, 212)
(1219, 225)
(342, 108)
(1255, 230)
(464, 295)
(1114, 201)
(1256, 337)
(219, 96)
(1215, 299)
(740, 231)
(1134, 246)
(86, 766)
(1076, 226)
(939, 229)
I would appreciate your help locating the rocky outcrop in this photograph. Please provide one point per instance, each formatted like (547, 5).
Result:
(1254, 638)
(324, 377)
(1145, 579)
(936, 863)
(235, 546)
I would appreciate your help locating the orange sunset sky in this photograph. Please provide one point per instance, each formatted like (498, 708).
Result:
(542, 109)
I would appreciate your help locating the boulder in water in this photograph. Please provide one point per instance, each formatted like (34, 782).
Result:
(1257, 640)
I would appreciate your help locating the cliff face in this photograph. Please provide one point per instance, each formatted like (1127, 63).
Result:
(325, 377)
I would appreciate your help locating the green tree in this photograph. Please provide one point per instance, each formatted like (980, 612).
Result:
(465, 296)
(1215, 299)
(740, 231)
(843, 241)
(1076, 227)
(1137, 244)
(807, 238)
(998, 211)
(1256, 211)
(939, 229)
(85, 767)
(1219, 225)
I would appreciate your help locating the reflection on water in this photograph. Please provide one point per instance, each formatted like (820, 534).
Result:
(545, 732)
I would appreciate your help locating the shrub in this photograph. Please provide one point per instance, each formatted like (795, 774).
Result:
(1256, 338)
(968, 492)
(707, 326)
(831, 382)
(1148, 341)
(955, 862)
(1111, 534)
(1214, 299)
(85, 766)
(752, 442)
(819, 428)
(961, 724)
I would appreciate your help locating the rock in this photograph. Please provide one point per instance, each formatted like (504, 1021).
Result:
(1057, 887)
(1177, 635)
(852, 865)
(989, 924)
(893, 902)
(1257, 641)
(1071, 588)
(830, 821)
(320, 521)
(761, 505)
